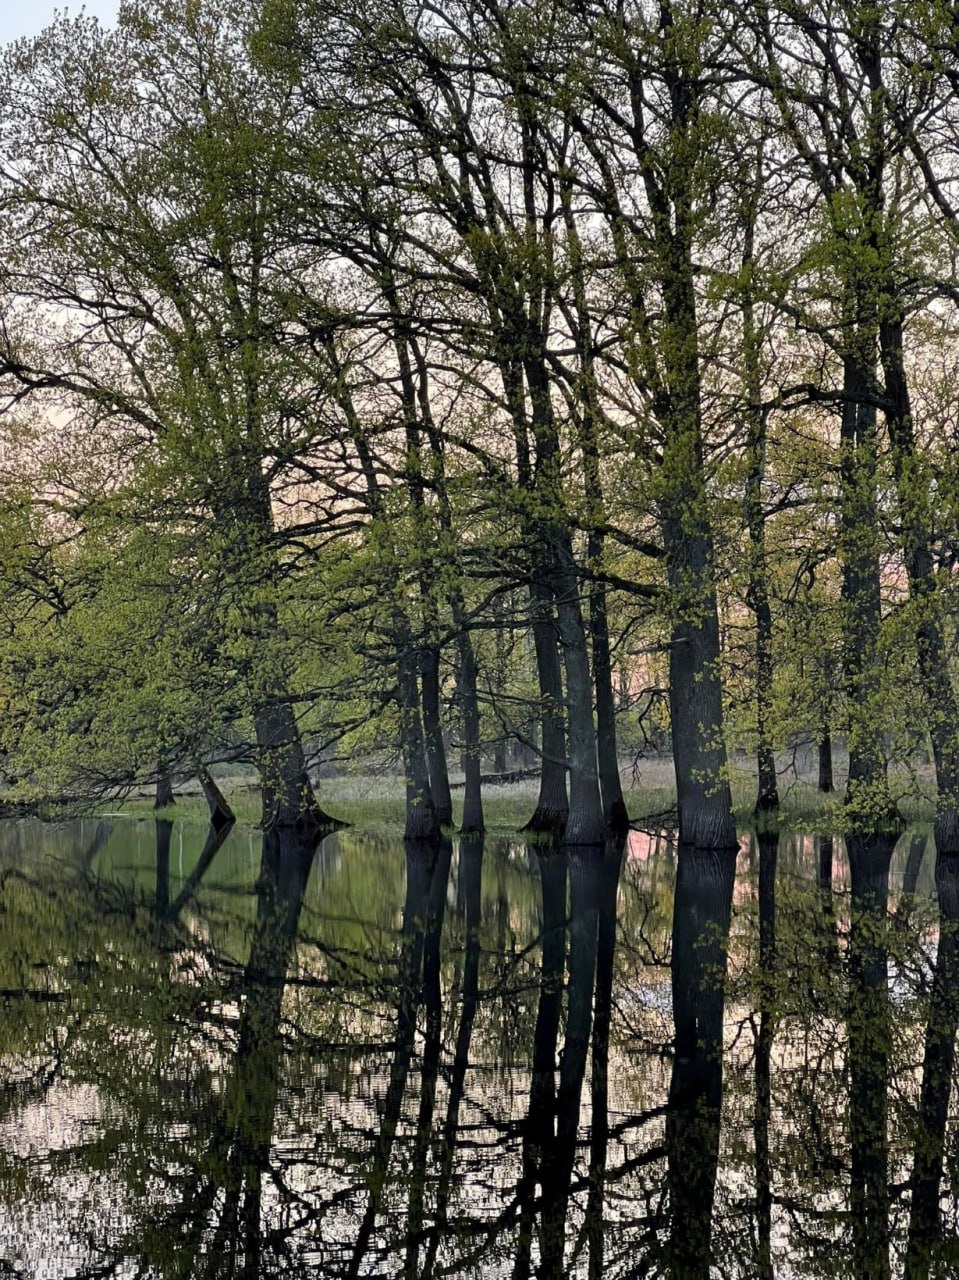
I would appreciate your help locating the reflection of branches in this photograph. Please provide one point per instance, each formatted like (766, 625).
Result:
(216, 838)
(426, 876)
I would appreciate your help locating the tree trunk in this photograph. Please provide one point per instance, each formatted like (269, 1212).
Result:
(767, 799)
(421, 821)
(695, 684)
(868, 802)
(164, 791)
(912, 488)
(433, 735)
(473, 822)
(607, 751)
(611, 791)
(288, 799)
(584, 824)
(552, 806)
(695, 703)
(221, 815)
(825, 761)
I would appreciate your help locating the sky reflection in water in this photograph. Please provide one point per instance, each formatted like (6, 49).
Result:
(246, 1058)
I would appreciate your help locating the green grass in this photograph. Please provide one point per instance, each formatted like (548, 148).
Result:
(377, 803)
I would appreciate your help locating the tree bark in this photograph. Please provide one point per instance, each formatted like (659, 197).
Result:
(825, 761)
(611, 790)
(421, 820)
(584, 824)
(288, 798)
(867, 799)
(433, 735)
(695, 703)
(695, 685)
(473, 822)
(757, 595)
(164, 791)
(912, 490)
(552, 805)
(221, 815)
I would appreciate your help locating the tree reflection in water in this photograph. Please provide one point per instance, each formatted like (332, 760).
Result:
(591, 1063)
(701, 917)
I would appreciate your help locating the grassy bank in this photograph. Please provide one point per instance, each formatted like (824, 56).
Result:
(376, 802)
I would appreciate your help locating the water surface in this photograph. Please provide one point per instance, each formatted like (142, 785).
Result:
(252, 1058)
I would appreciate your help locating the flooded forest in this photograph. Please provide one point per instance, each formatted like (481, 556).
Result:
(479, 583)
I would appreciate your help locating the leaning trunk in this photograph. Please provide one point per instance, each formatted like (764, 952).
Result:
(221, 815)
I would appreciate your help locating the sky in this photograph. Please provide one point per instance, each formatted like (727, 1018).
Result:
(28, 17)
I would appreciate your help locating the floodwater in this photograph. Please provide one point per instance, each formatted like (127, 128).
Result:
(253, 1058)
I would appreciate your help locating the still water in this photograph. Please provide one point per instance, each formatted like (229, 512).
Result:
(248, 1058)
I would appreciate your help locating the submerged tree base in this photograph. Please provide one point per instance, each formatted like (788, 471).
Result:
(946, 832)
(708, 829)
(617, 820)
(547, 822)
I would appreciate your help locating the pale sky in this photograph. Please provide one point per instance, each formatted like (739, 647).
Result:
(28, 17)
